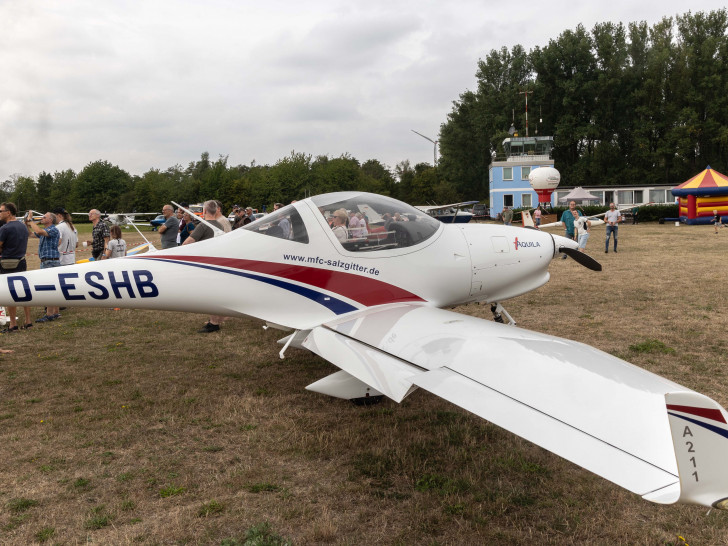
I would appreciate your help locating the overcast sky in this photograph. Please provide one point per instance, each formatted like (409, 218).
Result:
(150, 84)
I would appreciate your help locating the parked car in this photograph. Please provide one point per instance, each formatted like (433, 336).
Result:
(480, 211)
(158, 221)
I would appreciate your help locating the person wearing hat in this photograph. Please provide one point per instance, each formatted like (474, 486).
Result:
(339, 227)
(69, 237)
(239, 217)
(248, 216)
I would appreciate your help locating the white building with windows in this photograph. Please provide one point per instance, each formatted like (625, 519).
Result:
(509, 186)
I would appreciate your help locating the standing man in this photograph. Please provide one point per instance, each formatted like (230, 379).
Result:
(612, 219)
(47, 251)
(201, 233)
(170, 228)
(507, 216)
(13, 244)
(568, 218)
(222, 220)
(99, 235)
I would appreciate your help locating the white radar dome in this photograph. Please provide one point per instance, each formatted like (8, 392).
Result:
(544, 178)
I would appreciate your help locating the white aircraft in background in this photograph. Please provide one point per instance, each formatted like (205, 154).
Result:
(595, 219)
(375, 307)
(121, 219)
(449, 214)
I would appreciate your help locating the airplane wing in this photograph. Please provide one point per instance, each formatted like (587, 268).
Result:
(428, 208)
(587, 406)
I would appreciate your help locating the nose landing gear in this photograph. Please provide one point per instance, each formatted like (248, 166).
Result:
(499, 312)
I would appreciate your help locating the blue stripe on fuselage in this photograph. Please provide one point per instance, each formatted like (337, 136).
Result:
(335, 305)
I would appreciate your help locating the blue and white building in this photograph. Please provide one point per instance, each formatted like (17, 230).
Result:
(508, 175)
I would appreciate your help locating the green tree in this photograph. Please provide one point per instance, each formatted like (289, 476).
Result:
(44, 188)
(63, 189)
(25, 194)
(101, 185)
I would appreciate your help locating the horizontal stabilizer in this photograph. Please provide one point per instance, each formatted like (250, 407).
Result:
(699, 429)
(343, 385)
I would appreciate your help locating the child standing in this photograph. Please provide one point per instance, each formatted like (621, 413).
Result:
(117, 245)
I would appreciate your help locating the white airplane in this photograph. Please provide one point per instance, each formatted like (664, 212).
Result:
(449, 214)
(121, 219)
(375, 307)
(595, 219)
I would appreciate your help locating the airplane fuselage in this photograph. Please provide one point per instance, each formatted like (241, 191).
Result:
(297, 284)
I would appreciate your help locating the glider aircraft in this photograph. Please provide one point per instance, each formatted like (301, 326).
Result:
(375, 307)
(121, 219)
(449, 214)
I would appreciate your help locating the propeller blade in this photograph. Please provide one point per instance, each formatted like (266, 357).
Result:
(582, 258)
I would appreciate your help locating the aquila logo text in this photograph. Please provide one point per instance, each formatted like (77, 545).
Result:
(525, 244)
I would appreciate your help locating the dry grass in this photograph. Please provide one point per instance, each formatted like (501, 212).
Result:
(125, 426)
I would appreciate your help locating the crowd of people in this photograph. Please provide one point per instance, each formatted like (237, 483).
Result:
(58, 243)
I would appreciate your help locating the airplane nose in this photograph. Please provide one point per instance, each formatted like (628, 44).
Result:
(562, 245)
(563, 242)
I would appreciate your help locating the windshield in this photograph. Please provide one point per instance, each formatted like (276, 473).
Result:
(364, 222)
(285, 223)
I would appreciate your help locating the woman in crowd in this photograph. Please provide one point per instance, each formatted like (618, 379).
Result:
(117, 245)
(188, 228)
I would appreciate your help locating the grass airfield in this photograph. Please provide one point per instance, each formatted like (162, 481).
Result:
(128, 427)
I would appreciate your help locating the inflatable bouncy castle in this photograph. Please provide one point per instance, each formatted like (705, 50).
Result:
(701, 195)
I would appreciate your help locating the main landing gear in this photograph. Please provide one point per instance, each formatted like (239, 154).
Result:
(499, 312)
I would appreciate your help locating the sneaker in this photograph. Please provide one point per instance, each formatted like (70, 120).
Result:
(615, 250)
(44, 318)
(209, 327)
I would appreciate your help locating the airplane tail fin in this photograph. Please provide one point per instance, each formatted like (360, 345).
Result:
(699, 428)
(526, 219)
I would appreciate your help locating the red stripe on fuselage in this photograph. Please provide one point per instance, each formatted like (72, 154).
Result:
(714, 414)
(361, 289)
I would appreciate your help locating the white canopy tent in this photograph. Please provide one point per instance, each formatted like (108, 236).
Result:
(579, 195)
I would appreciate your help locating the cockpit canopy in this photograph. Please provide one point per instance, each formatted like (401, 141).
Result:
(361, 222)
(374, 222)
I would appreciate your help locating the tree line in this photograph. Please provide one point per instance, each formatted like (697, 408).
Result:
(626, 104)
(110, 188)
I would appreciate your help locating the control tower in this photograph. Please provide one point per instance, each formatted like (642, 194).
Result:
(508, 174)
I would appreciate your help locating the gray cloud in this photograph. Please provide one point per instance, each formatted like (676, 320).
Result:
(153, 84)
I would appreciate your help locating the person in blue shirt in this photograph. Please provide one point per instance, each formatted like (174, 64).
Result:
(47, 251)
(13, 245)
(568, 218)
